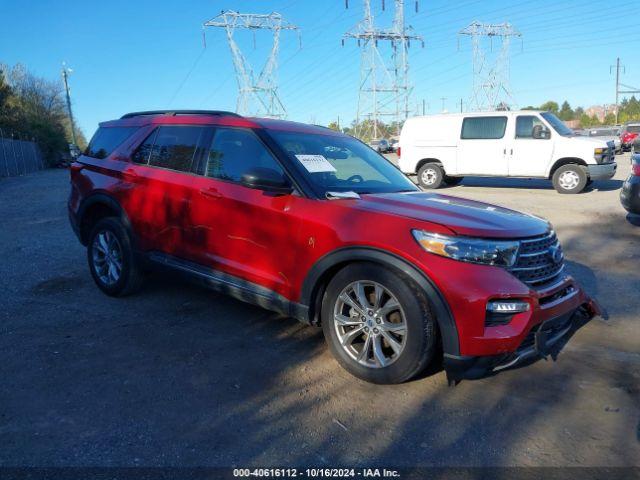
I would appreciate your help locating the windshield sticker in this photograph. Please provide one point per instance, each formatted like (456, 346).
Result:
(316, 163)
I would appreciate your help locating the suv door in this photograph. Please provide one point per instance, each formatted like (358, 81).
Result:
(161, 187)
(530, 156)
(244, 232)
(482, 146)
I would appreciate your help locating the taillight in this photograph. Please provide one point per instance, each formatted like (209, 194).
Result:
(398, 151)
(636, 169)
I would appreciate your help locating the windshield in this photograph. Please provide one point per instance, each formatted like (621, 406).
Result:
(557, 124)
(633, 129)
(342, 164)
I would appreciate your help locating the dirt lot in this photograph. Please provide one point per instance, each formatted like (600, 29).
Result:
(180, 376)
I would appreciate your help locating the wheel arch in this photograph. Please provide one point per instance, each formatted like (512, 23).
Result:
(424, 161)
(565, 161)
(96, 207)
(325, 268)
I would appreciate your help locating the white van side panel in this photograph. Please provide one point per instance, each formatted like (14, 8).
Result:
(430, 137)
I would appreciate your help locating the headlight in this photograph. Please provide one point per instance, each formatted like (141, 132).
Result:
(475, 250)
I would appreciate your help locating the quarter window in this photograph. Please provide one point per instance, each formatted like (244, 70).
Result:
(106, 140)
(525, 124)
(172, 147)
(485, 128)
(234, 152)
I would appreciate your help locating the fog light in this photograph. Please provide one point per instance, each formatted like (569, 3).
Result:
(507, 306)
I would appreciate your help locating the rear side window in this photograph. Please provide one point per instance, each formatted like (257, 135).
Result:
(477, 128)
(107, 139)
(234, 152)
(171, 147)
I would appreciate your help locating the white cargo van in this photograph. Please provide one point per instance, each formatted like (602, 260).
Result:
(532, 144)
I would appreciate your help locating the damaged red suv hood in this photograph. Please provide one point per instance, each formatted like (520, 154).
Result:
(464, 217)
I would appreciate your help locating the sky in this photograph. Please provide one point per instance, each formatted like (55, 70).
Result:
(149, 54)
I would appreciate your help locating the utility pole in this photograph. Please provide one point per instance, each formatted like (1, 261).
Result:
(631, 90)
(424, 104)
(65, 78)
(384, 85)
(490, 80)
(256, 96)
(460, 105)
(444, 99)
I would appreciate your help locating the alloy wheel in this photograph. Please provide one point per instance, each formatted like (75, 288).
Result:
(370, 324)
(107, 257)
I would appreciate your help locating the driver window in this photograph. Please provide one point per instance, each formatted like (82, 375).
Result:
(525, 125)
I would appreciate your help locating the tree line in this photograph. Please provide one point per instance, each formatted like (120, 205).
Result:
(33, 108)
(629, 110)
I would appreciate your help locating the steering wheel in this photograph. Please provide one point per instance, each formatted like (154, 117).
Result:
(355, 179)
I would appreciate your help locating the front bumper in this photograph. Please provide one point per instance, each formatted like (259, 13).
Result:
(630, 194)
(538, 343)
(602, 171)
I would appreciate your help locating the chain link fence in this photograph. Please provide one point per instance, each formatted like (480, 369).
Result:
(18, 156)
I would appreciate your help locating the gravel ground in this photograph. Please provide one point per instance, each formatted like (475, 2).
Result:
(179, 376)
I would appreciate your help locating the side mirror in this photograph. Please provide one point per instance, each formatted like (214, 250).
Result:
(266, 179)
(540, 132)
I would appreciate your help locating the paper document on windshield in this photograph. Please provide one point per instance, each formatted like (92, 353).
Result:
(316, 163)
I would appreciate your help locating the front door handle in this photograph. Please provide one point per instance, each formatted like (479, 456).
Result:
(210, 192)
(130, 174)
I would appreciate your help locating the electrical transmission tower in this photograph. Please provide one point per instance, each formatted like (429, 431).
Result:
(631, 90)
(490, 78)
(384, 86)
(256, 95)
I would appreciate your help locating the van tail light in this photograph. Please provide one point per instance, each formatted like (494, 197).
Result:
(398, 151)
(636, 169)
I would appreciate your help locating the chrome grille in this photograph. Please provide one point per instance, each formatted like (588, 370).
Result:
(539, 261)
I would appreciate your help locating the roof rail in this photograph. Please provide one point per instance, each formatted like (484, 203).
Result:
(173, 113)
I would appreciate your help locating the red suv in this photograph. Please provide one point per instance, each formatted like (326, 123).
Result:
(314, 224)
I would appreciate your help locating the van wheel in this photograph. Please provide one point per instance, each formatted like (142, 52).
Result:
(569, 179)
(111, 258)
(378, 324)
(430, 175)
(453, 181)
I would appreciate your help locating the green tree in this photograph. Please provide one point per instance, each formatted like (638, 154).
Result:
(609, 119)
(566, 112)
(550, 106)
(334, 126)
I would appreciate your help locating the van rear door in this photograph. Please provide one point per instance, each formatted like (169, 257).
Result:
(482, 147)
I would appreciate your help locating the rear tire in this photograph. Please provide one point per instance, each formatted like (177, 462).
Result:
(569, 179)
(430, 176)
(378, 342)
(111, 258)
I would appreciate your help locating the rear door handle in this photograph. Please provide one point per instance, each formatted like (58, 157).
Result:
(210, 192)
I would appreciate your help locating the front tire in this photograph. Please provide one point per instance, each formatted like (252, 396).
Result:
(111, 258)
(430, 176)
(378, 324)
(569, 179)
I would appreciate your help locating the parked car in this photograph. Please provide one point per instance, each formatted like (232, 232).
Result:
(393, 145)
(311, 223)
(630, 193)
(629, 133)
(380, 146)
(441, 149)
(608, 135)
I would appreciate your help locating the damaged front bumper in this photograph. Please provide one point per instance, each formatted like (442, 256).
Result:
(540, 342)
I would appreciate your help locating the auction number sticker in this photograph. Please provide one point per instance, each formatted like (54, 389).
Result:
(316, 163)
